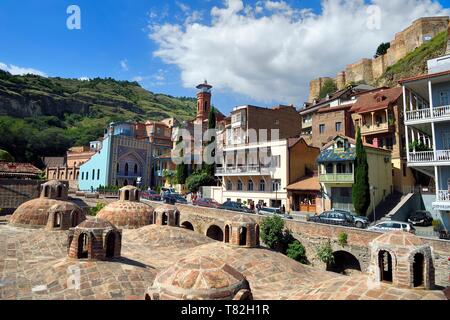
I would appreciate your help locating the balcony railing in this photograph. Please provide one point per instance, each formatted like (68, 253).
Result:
(429, 156)
(443, 195)
(375, 128)
(426, 114)
(242, 170)
(337, 177)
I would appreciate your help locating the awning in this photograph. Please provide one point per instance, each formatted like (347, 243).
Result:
(305, 184)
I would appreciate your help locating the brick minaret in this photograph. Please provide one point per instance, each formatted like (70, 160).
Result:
(203, 101)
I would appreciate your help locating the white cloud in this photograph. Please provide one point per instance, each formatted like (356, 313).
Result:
(15, 70)
(124, 65)
(84, 78)
(270, 51)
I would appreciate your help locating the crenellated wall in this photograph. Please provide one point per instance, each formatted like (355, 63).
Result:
(369, 70)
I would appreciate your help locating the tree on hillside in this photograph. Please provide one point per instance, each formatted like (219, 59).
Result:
(382, 49)
(5, 156)
(361, 188)
(328, 87)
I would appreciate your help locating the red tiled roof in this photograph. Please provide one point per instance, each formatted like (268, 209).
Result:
(305, 183)
(15, 168)
(353, 141)
(369, 101)
(424, 76)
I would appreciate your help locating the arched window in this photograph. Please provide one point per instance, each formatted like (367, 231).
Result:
(74, 219)
(227, 233)
(98, 174)
(57, 221)
(110, 245)
(54, 174)
(83, 241)
(239, 185)
(242, 236)
(117, 168)
(206, 106)
(135, 169)
(262, 185)
(82, 176)
(127, 194)
(229, 185)
(47, 192)
(93, 174)
(126, 169)
(418, 269)
(385, 265)
(250, 185)
(59, 192)
(164, 219)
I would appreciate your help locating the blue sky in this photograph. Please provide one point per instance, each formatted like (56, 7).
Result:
(114, 42)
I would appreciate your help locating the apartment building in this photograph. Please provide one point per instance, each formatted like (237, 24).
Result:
(252, 153)
(324, 118)
(427, 126)
(337, 173)
(379, 114)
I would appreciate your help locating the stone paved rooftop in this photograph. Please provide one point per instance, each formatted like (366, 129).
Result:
(34, 265)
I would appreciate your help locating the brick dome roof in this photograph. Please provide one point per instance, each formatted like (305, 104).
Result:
(199, 278)
(127, 214)
(53, 183)
(96, 223)
(35, 213)
(242, 219)
(399, 238)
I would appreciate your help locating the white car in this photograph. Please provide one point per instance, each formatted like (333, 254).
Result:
(392, 226)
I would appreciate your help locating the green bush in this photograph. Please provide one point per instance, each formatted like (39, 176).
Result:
(342, 239)
(5, 156)
(297, 252)
(437, 225)
(197, 180)
(271, 230)
(93, 211)
(325, 253)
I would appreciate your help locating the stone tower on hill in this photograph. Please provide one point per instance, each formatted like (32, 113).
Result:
(368, 70)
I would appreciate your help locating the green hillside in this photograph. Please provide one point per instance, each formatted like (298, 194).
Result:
(415, 62)
(45, 116)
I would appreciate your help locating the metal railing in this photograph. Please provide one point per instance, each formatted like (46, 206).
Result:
(242, 169)
(375, 127)
(429, 156)
(443, 195)
(423, 114)
(337, 177)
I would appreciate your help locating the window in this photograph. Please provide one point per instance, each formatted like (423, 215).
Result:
(229, 185)
(135, 169)
(117, 168)
(262, 185)
(443, 98)
(93, 174)
(404, 170)
(321, 128)
(250, 185)
(239, 185)
(98, 174)
(338, 126)
(276, 185)
(126, 169)
(82, 176)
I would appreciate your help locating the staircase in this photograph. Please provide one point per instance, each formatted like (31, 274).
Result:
(386, 206)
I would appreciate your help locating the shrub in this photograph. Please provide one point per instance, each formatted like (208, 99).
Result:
(272, 231)
(437, 225)
(197, 180)
(95, 210)
(342, 239)
(325, 253)
(297, 252)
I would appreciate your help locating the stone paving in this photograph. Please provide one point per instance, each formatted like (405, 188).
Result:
(34, 265)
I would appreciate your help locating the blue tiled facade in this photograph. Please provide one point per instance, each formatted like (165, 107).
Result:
(121, 160)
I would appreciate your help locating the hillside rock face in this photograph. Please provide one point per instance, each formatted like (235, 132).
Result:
(29, 105)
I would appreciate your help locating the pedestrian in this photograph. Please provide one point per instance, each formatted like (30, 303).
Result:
(283, 209)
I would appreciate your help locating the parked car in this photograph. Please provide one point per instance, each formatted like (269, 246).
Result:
(274, 211)
(174, 198)
(421, 218)
(205, 202)
(386, 226)
(168, 190)
(358, 221)
(235, 206)
(334, 217)
(151, 195)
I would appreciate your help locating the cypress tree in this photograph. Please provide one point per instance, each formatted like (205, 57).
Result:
(211, 168)
(181, 174)
(361, 188)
